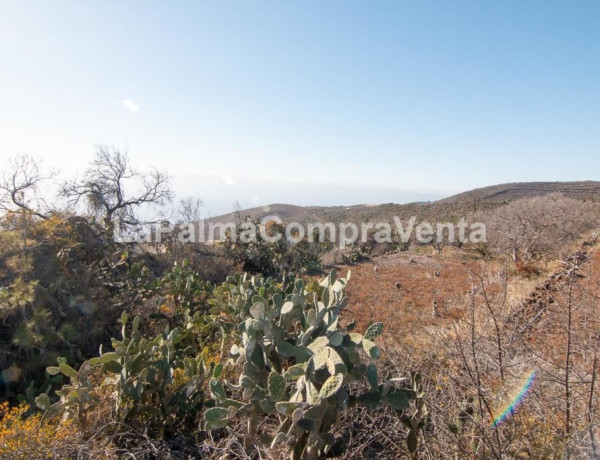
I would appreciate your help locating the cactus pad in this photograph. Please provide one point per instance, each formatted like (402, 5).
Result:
(373, 331)
(217, 390)
(276, 386)
(336, 339)
(371, 349)
(398, 400)
(294, 372)
(331, 386)
(215, 417)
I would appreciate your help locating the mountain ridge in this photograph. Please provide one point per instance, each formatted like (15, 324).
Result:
(449, 207)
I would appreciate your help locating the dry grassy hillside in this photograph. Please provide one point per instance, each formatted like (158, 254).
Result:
(489, 329)
(583, 190)
(445, 209)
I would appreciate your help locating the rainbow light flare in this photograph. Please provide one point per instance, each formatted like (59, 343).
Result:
(515, 401)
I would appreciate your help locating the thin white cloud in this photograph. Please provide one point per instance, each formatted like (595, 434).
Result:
(229, 180)
(130, 105)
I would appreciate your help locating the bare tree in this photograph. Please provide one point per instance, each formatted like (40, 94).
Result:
(106, 188)
(189, 210)
(532, 229)
(19, 187)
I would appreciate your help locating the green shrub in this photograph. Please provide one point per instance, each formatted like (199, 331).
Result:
(62, 290)
(272, 258)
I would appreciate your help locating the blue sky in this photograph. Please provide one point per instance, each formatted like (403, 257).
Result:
(313, 102)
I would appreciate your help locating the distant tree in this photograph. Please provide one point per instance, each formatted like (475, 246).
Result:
(472, 201)
(19, 187)
(189, 210)
(106, 188)
(176, 231)
(532, 229)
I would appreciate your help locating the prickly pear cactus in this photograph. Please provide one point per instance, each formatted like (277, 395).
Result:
(142, 372)
(296, 360)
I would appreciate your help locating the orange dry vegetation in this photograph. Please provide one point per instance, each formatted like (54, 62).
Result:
(548, 337)
(423, 279)
(33, 437)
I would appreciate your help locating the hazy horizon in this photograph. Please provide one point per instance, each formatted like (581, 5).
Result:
(314, 103)
(222, 200)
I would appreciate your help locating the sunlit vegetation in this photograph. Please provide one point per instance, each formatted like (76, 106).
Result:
(260, 350)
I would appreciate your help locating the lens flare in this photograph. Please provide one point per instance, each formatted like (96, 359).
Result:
(515, 399)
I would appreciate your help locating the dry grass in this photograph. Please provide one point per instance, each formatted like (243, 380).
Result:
(418, 340)
(423, 279)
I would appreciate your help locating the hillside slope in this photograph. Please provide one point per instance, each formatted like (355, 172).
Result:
(585, 190)
(447, 208)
